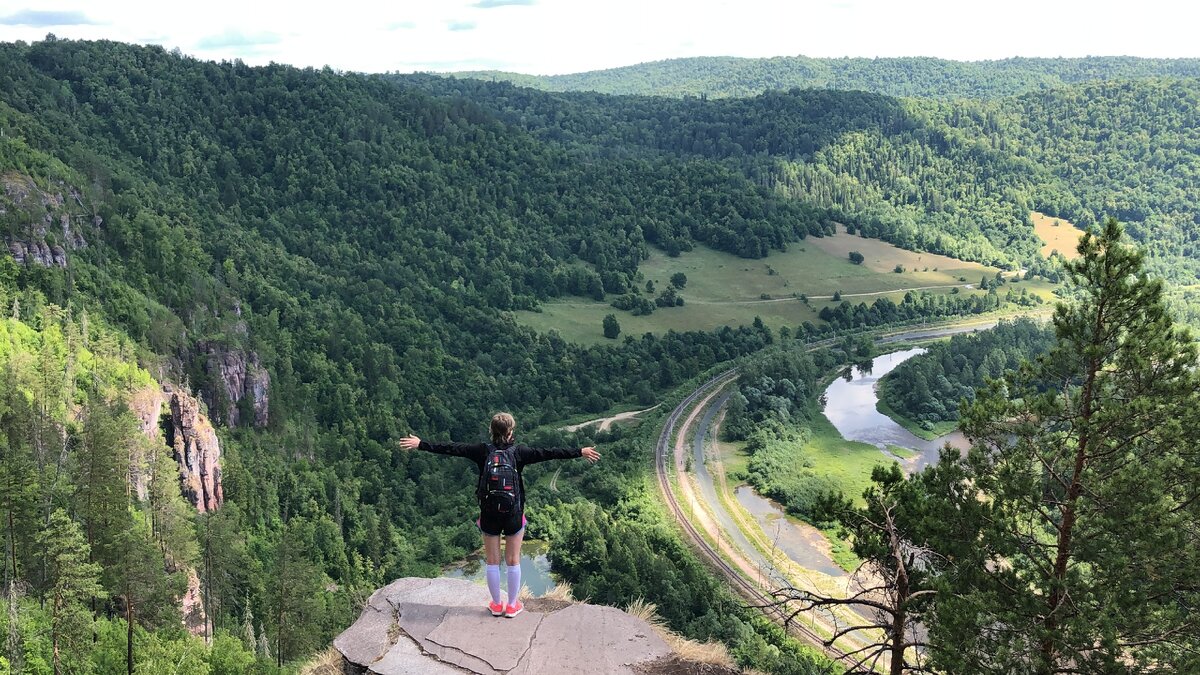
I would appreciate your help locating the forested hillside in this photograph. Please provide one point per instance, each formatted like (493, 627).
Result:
(326, 260)
(930, 388)
(726, 77)
(956, 177)
(358, 242)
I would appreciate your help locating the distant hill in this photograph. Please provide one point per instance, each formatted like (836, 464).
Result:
(725, 77)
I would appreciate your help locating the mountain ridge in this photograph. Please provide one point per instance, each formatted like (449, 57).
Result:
(931, 77)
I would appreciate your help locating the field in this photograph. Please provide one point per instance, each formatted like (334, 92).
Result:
(1062, 237)
(848, 463)
(882, 257)
(725, 290)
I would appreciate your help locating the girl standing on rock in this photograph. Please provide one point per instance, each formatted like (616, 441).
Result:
(501, 494)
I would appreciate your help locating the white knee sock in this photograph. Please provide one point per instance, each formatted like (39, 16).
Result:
(514, 583)
(493, 581)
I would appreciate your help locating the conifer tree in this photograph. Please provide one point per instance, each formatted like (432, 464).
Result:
(74, 582)
(101, 477)
(295, 596)
(18, 481)
(170, 514)
(891, 590)
(248, 627)
(1087, 463)
(138, 578)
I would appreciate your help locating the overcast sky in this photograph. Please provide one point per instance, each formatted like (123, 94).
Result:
(564, 36)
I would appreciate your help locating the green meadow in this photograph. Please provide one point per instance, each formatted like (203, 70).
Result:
(725, 290)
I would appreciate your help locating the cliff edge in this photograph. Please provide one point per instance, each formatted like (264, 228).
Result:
(442, 627)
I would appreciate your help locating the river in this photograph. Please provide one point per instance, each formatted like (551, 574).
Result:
(850, 406)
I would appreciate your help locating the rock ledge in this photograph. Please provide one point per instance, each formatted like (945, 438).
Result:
(442, 626)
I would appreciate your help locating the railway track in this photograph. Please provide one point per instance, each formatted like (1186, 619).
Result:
(744, 587)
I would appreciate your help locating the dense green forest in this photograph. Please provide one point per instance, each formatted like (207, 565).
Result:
(928, 388)
(956, 177)
(723, 77)
(361, 239)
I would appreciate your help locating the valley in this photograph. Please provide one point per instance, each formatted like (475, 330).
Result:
(228, 290)
(726, 290)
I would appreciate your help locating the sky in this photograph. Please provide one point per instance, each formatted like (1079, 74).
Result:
(566, 36)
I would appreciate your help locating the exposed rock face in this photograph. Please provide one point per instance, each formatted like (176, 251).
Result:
(443, 626)
(196, 451)
(192, 605)
(42, 214)
(240, 375)
(198, 456)
(37, 253)
(147, 405)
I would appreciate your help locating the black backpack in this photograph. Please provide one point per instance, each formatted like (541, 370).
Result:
(499, 482)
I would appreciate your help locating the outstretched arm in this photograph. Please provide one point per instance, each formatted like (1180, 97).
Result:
(469, 450)
(535, 455)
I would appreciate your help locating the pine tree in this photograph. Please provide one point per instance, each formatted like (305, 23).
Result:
(297, 586)
(226, 566)
(18, 481)
(13, 643)
(1088, 558)
(74, 582)
(891, 590)
(148, 594)
(102, 474)
(170, 514)
(248, 627)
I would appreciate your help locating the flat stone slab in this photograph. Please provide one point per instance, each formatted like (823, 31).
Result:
(589, 639)
(442, 626)
(406, 658)
(500, 643)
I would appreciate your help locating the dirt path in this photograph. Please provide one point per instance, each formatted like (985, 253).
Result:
(607, 422)
(825, 297)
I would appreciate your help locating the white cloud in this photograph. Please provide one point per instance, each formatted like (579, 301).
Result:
(559, 36)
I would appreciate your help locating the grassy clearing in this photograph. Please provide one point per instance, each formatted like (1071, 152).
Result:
(1062, 237)
(622, 407)
(725, 290)
(736, 460)
(848, 463)
(882, 257)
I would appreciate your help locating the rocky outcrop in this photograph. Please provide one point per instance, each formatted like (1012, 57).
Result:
(147, 405)
(49, 223)
(197, 452)
(37, 253)
(442, 626)
(192, 605)
(240, 376)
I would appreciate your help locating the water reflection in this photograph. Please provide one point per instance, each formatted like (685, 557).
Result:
(801, 542)
(849, 403)
(535, 568)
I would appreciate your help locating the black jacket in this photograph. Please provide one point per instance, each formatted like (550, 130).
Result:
(478, 452)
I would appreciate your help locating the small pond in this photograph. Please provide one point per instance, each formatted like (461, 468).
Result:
(535, 568)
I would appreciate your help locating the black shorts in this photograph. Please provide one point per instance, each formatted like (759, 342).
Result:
(494, 525)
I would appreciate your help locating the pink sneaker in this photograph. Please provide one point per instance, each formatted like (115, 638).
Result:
(513, 610)
(497, 608)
